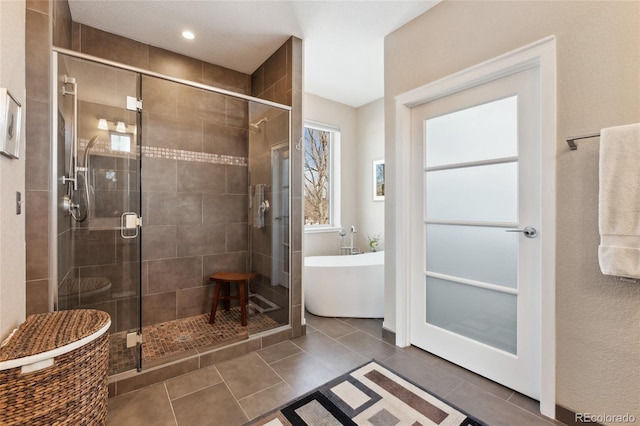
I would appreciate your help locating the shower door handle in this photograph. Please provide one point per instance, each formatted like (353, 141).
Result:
(129, 224)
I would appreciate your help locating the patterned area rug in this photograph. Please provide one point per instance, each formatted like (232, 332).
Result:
(369, 395)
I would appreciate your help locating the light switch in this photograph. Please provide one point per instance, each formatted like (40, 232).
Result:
(18, 202)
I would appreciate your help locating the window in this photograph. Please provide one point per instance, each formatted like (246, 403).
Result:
(120, 142)
(321, 177)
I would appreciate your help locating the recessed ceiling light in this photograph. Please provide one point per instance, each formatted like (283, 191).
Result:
(188, 35)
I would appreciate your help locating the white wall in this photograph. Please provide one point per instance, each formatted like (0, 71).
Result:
(12, 172)
(362, 141)
(370, 125)
(598, 69)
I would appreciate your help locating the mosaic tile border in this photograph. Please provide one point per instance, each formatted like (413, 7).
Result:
(199, 157)
(169, 154)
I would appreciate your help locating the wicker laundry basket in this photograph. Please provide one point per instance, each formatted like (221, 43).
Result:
(53, 370)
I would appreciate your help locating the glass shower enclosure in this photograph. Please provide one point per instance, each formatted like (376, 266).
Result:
(98, 186)
(207, 174)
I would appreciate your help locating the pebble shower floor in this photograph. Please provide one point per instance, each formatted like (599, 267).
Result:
(173, 337)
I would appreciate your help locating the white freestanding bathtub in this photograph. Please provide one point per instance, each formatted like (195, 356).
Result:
(345, 286)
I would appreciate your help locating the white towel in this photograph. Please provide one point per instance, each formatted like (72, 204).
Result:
(258, 210)
(619, 201)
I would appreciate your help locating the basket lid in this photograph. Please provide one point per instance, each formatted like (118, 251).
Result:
(52, 330)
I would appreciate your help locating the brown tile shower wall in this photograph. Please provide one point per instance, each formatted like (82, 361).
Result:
(109, 46)
(194, 192)
(279, 79)
(50, 22)
(46, 22)
(194, 189)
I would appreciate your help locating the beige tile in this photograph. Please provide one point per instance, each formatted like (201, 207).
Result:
(113, 47)
(37, 56)
(194, 301)
(368, 346)
(160, 96)
(224, 208)
(277, 352)
(146, 378)
(214, 405)
(197, 240)
(201, 177)
(492, 409)
(529, 404)
(37, 238)
(159, 174)
(247, 374)
(158, 308)
(198, 104)
(303, 372)
(237, 112)
(38, 146)
(332, 327)
(175, 65)
(146, 406)
(173, 274)
(224, 140)
(169, 132)
(275, 67)
(192, 382)
(432, 378)
(368, 325)
(482, 382)
(37, 297)
(229, 353)
(224, 78)
(345, 363)
(272, 339)
(321, 346)
(266, 400)
(159, 242)
(41, 6)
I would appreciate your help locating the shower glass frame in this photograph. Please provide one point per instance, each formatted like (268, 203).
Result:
(56, 173)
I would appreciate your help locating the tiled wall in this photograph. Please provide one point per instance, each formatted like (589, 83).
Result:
(45, 21)
(119, 49)
(50, 22)
(194, 164)
(279, 79)
(43, 28)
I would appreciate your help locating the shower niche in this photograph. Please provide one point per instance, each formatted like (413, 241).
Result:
(156, 190)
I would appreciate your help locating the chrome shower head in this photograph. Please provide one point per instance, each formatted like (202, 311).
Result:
(255, 127)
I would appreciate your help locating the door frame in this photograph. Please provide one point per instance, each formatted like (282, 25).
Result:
(540, 54)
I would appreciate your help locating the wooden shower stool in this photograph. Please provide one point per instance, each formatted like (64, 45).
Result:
(226, 279)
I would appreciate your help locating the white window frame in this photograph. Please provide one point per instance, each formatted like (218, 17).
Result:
(334, 178)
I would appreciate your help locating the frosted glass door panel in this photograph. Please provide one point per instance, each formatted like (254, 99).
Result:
(482, 193)
(476, 253)
(483, 315)
(482, 132)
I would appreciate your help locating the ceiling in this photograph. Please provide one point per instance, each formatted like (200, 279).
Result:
(343, 40)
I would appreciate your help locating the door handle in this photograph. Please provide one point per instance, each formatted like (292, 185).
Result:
(528, 231)
(129, 221)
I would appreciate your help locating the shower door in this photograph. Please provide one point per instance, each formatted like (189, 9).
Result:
(98, 170)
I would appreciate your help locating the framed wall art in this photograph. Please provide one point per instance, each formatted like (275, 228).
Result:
(10, 124)
(378, 180)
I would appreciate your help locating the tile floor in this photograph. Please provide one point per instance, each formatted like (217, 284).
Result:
(232, 392)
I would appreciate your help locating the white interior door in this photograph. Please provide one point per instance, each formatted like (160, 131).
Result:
(475, 290)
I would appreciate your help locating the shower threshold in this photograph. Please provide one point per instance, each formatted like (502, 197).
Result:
(171, 340)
